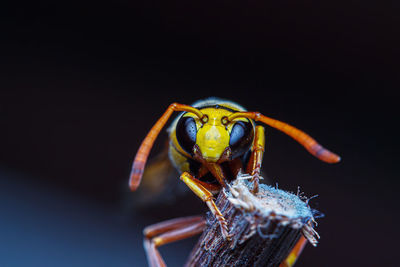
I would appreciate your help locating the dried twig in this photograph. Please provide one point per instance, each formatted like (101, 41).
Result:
(263, 228)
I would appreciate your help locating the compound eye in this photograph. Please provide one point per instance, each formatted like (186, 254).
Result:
(186, 132)
(241, 138)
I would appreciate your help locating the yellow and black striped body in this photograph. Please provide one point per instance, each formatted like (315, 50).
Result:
(212, 138)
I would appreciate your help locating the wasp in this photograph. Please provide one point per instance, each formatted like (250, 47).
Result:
(210, 142)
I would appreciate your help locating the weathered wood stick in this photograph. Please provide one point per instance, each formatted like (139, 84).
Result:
(263, 228)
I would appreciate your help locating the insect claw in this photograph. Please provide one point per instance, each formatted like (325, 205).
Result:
(229, 237)
(255, 187)
(224, 227)
(224, 232)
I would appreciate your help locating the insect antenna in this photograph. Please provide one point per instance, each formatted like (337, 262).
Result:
(144, 149)
(301, 137)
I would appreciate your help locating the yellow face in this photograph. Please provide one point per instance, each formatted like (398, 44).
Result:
(213, 138)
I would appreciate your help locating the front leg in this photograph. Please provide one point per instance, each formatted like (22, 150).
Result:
(254, 165)
(207, 197)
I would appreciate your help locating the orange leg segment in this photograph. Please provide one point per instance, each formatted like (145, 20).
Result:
(304, 139)
(147, 144)
(254, 165)
(295, 253)
(207, 197)
(167, 232)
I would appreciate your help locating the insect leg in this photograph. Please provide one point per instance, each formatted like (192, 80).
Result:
(169, 231)
(295, 253)
(207, 197)
(165, 226)
(254, 165)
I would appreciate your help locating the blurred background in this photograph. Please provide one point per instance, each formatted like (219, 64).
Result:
(83, 82)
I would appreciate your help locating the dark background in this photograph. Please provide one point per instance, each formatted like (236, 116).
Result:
(82, 83)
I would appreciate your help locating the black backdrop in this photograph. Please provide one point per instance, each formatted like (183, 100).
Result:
(82, 82)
